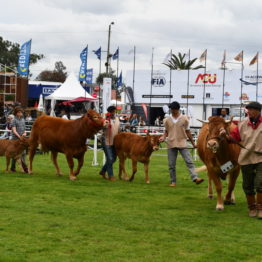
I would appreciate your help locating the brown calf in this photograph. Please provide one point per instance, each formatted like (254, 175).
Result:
(137, 148)
(13, 149)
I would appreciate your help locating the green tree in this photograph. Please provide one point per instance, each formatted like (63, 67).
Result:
(57, 75)
(9, 53)
(178, 62)
(99, 79)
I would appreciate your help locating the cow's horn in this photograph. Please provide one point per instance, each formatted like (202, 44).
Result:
(203, 121)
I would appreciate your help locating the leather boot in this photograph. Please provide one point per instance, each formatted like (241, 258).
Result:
(251, 202)
(259, 205)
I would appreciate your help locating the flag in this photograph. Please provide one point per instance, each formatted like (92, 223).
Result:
(89, 76)
(167, 57)
(145, 109)
(98, 53)
(203, 57)
(239, 57)
(82, 71)
(254, 60)
(223, 63)
(119, 80)
(116, 54)
(24, 59)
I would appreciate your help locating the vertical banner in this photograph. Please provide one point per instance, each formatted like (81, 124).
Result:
(24, 59)
(107, 85)
(82, 71)
(89, 76)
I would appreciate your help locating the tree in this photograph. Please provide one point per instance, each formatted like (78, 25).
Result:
(178, 62)
(57, 75)
(99, 79)
(9, 53)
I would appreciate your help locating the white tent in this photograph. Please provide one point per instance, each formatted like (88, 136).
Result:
(69, 90)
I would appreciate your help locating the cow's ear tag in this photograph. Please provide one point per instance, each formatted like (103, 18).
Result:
(226, 167)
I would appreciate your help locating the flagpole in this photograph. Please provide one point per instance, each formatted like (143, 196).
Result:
(134, 70)
(257, 80)
(204, 88)
(170, 81)
(99, 93)
(117, 76)
(241, 84)
(223, 86)
(86, 67)
(151, 85)
(188, 71)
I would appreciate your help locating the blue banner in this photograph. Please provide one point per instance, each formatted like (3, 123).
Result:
(24, 58)
(89, 76)
(119, 80)
(82, 71)
(98, 53)
(116, 54)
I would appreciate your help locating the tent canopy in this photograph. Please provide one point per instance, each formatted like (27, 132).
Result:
(69, 90)
(78, 99)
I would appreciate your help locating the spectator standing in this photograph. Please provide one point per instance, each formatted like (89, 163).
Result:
(177, 131)
(224, 114)
(8, 128)
(18, 131)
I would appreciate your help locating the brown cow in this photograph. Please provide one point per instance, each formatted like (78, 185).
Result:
(215, 151)
(13, 149)
(64, 136)
(137, 148)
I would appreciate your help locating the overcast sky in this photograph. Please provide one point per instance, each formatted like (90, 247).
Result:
(61, 29)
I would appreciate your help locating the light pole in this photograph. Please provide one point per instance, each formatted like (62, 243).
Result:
(108, 49)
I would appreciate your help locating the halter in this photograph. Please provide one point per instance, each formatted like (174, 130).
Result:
(92, 122)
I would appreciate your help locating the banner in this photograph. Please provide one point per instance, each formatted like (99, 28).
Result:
(107, 85)
(82, 72)
(24, 59)
(89, 76)
(212, 79)
(119, 80)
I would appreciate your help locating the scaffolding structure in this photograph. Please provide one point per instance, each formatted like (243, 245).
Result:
(8, 84)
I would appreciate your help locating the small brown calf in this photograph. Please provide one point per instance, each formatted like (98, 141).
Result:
(137, 148)
(13, 149)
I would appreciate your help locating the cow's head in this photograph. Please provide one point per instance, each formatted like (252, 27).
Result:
(96, 119)
(24, 141)
(154, 141)
(214, 125)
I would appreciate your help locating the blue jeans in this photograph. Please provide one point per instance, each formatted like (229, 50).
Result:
(110, 159)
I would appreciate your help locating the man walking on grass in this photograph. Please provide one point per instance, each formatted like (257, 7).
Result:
(177, 131)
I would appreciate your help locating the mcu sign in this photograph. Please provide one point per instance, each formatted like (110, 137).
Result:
(206, 78)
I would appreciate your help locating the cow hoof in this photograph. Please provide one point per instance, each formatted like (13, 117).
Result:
(148, 182)
(219, 208)
(60, 174)
(126, 178)
(73, 178)
(229, 202)
(210, 197)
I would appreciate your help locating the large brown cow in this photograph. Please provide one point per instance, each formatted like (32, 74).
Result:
(64, 136)
(215, 151)
(137, 148)
(13, 149)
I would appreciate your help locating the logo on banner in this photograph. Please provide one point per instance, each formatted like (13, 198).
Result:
(48, 90)
(158, 81)
(244, 97)
(206, 78)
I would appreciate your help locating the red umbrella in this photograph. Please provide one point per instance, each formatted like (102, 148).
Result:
(78, 99)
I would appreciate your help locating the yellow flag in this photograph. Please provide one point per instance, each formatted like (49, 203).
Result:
(254, 60)
(239, 57)
(203, 56)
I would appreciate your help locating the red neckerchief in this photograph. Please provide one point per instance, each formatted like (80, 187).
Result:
(255, 126)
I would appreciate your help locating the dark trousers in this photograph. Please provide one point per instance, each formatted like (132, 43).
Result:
(252, 178)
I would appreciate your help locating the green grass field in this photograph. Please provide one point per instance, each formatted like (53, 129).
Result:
(49, 218)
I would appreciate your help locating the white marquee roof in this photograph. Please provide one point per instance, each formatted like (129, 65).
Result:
(69, 90)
